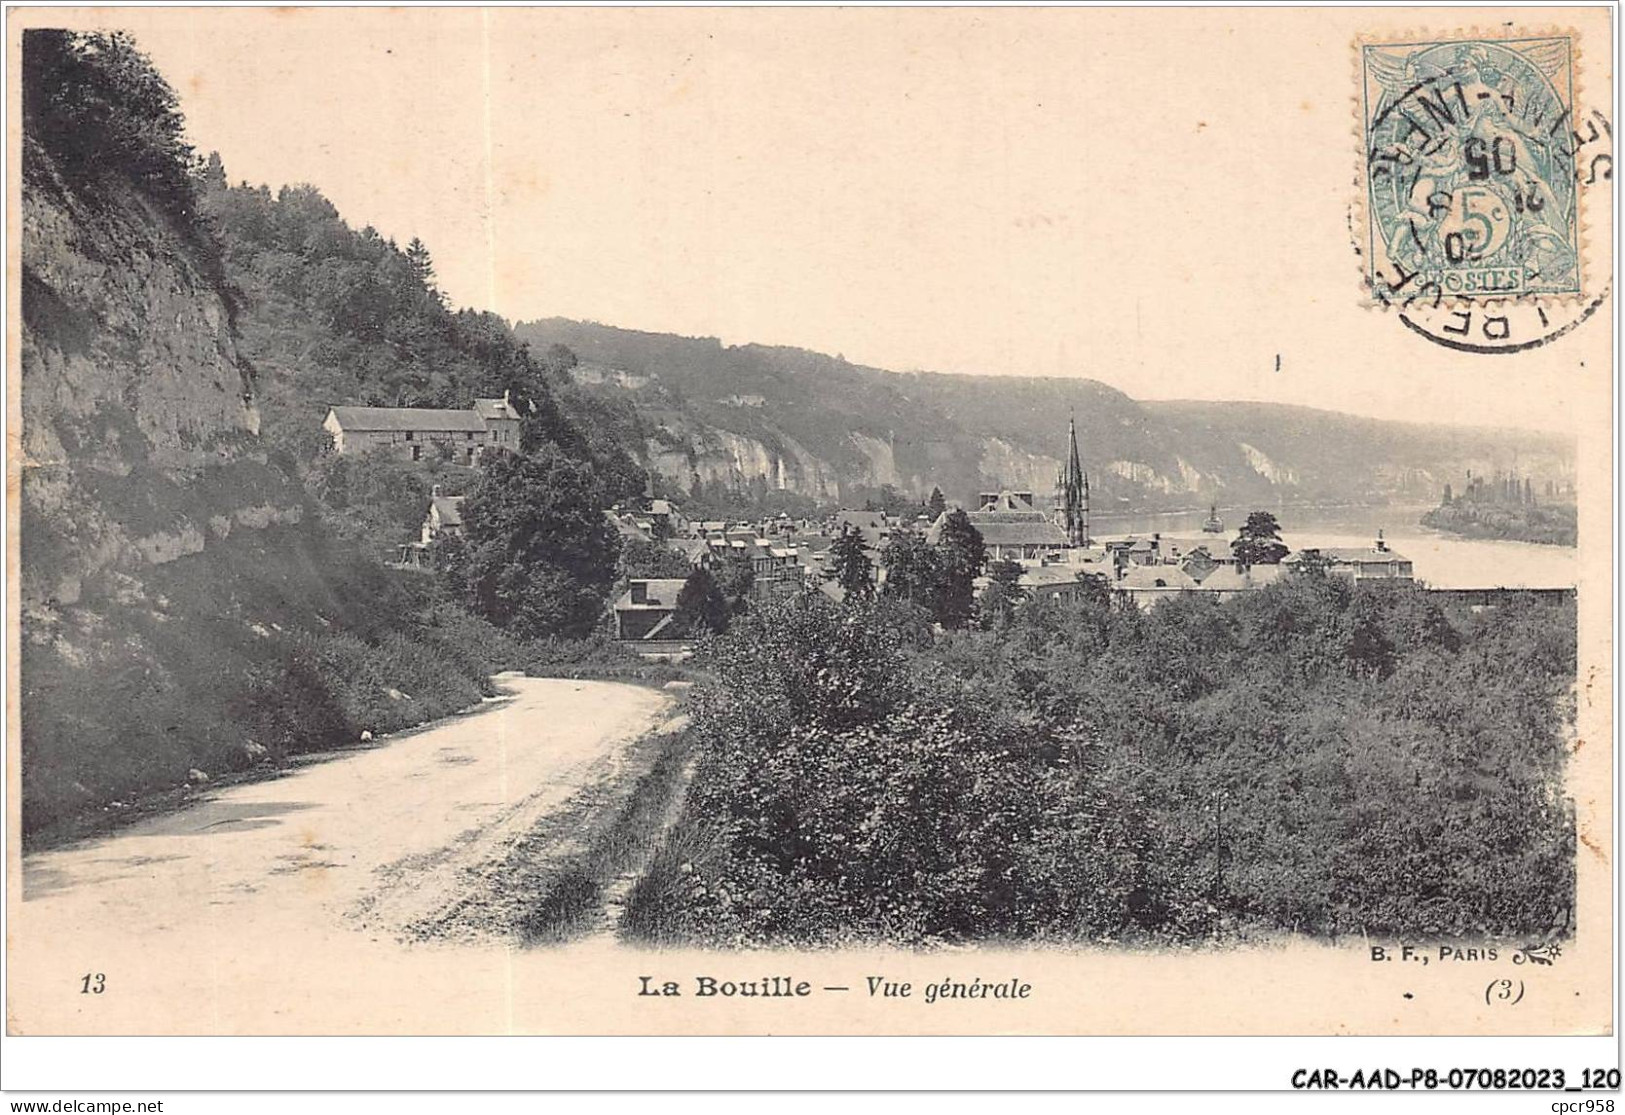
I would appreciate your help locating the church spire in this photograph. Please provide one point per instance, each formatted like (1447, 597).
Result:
(1076, 490)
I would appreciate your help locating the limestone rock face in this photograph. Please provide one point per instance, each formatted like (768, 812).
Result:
(139, 426)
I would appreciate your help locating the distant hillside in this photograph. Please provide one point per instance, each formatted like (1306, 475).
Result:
(826, 428)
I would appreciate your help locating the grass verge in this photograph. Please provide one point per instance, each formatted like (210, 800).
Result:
(621, 842)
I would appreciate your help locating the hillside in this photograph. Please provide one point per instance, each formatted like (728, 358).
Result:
(186, 605)
(823, 427)
(332, 315)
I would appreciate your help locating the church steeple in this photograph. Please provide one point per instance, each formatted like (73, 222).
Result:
(1075, 490)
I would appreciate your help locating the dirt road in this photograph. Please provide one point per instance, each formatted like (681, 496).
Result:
(365, 846)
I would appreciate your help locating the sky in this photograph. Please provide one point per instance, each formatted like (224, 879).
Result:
(1160, 200)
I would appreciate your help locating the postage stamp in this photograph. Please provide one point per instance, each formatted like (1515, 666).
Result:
(1471, 184)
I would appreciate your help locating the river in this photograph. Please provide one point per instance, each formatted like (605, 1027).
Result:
(1442, 560)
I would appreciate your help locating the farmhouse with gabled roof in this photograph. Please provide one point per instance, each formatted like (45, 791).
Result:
(426, 434)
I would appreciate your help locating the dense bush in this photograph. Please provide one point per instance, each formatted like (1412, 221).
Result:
(266, 645)
(540, 556)
(1308, 757)
(596, 656)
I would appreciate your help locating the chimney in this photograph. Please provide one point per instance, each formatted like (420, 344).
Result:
(435, 491)
(1382, 547)
(640, 592)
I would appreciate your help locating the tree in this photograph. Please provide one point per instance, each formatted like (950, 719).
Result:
(95, 103)
(640, 558)
(418, 259)
(212, 177)
(701, 607)
(1002, 594)
(541, 556)
(558, 359)
(1259, 541)
(936, 506)
(913, 569)
(448, 556)
(963, 554)
(890, 501)
(850, 566)
(1313, 563)
(736, 577)
(1369, 650)
(1097, 589)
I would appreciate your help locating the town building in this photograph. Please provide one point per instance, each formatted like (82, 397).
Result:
(1147, 584)
(646, 609)
(875, 527)
(423, 434)
(1064, 581)
(1011, 528)
(1362, 565)
(629, 525)
(665, 519)
(444, 519)
(696, 550)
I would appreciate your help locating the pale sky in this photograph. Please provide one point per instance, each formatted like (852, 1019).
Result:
(1159, 200)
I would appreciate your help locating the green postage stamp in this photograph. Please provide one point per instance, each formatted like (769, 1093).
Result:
(1471, 156)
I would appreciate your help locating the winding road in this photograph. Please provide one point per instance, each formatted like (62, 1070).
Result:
(362, 850)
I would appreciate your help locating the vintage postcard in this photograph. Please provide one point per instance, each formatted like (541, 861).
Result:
(811, 522)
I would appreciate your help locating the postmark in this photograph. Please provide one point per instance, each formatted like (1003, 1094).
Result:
(1477, 162)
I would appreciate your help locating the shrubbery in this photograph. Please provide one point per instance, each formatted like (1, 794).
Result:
(268, 644)
(1307, 757)
(596, 656)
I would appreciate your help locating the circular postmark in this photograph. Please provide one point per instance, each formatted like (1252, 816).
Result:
(1496, 326)
(1475, 170)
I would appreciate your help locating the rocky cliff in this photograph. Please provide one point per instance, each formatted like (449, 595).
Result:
(137, 440)
(137, 446)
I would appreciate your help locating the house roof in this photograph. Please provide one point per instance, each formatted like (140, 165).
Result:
(407, 418)
(1035, 576)
(495, 408)
(1229, 578)
(1006, 502)
(998, 530)
(1008, 527)
(833, 590)
(449, 509)
(1148, 576)
(1353, 554)
(662, 595)
(626, 526)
